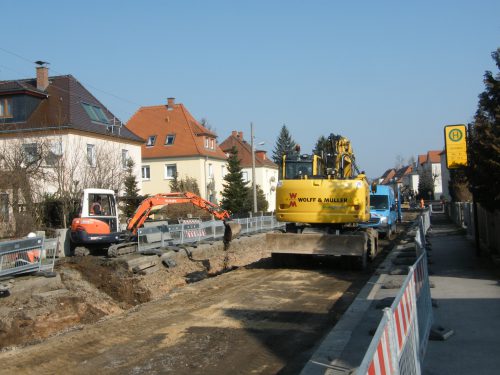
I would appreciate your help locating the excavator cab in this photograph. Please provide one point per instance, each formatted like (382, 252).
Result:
(98, 221)
(301, 167)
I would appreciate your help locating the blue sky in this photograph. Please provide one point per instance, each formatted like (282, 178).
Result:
(386, 74)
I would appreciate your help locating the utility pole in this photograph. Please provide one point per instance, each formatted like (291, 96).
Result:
(254, 186)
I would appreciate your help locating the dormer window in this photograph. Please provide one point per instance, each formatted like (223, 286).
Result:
(151, 141)
(169, 139)
(209, 143)
(95, 113)
(5, 107)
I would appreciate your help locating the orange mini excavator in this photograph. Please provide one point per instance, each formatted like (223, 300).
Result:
(97, 226)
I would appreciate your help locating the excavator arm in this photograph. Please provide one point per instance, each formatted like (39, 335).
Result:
(144, 209)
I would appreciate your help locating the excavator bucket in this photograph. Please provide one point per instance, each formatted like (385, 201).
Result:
(231, 231)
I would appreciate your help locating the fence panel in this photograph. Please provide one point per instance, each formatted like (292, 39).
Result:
(194, 230)
(400, 342)
(21, 256)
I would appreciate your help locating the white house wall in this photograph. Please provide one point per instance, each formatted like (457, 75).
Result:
(266, 178)
(74, 149)
(195, 167)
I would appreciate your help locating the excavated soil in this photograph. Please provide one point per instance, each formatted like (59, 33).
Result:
(87, 289)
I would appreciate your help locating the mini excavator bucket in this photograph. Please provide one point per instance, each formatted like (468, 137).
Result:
(231, 230)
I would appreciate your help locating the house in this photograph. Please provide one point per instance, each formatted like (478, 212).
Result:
(177, 145)
(445, 172)
(57, 135)
(431, 162)
(266, 171)
(387, 176)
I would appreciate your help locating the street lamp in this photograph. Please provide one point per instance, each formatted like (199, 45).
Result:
(254, 185)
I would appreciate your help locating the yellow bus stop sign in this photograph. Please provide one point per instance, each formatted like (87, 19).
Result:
(455, 140)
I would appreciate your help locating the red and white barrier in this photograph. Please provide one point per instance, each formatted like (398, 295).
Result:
(381, 363)
(399, 344)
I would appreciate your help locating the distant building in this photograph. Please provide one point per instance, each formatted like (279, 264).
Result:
(177, 144)
(445, 176)
(266, 171)
(387, 176)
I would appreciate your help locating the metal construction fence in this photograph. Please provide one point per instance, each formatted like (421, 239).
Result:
(400, 342)
(195, 230)
(26, 255)
(488, 222)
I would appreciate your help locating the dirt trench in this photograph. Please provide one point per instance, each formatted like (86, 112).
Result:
(88, 289)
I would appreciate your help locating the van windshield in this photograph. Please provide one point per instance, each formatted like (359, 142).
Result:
(379, 202)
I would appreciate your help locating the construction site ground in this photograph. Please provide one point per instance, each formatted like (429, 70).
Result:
(229, 312)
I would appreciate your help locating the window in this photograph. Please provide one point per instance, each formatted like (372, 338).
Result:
(30, 152)
(91, 157)
(54, 154)
(151, 141)
(102, 205)
(5, 107)
(245, 176)
(223, 170)
(212, 144)
(210, 171)
(125, 158)
(169, 139)
(146, 175)
(95, 113)
(4, 207)
(170, 171)
(207, 140)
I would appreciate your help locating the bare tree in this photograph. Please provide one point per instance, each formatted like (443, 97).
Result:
(74, 171)
(106, 171)
(399, 161)
(22, 165)
(66, 176)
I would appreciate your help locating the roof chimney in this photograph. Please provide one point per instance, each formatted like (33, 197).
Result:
(234, 133)
(261, 154)
(170, 103)
(240, 134)
(42, 77)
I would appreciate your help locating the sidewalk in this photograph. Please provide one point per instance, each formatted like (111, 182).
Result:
(467, 292)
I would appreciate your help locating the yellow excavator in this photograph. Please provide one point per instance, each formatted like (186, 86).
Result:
(323, 199)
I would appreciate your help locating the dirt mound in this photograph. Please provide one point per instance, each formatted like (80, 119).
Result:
(111, 277)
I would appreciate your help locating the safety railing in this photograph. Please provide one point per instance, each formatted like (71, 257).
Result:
(437, 208)
(25, 256)
(195, 230)
(400, 341)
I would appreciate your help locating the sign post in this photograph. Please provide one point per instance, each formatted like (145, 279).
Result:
(455, 140)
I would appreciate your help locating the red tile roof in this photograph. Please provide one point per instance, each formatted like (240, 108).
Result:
(173, 119)
(433, 156)
(403, 171)
(422, 159)
(388, 175)
(245, 151)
